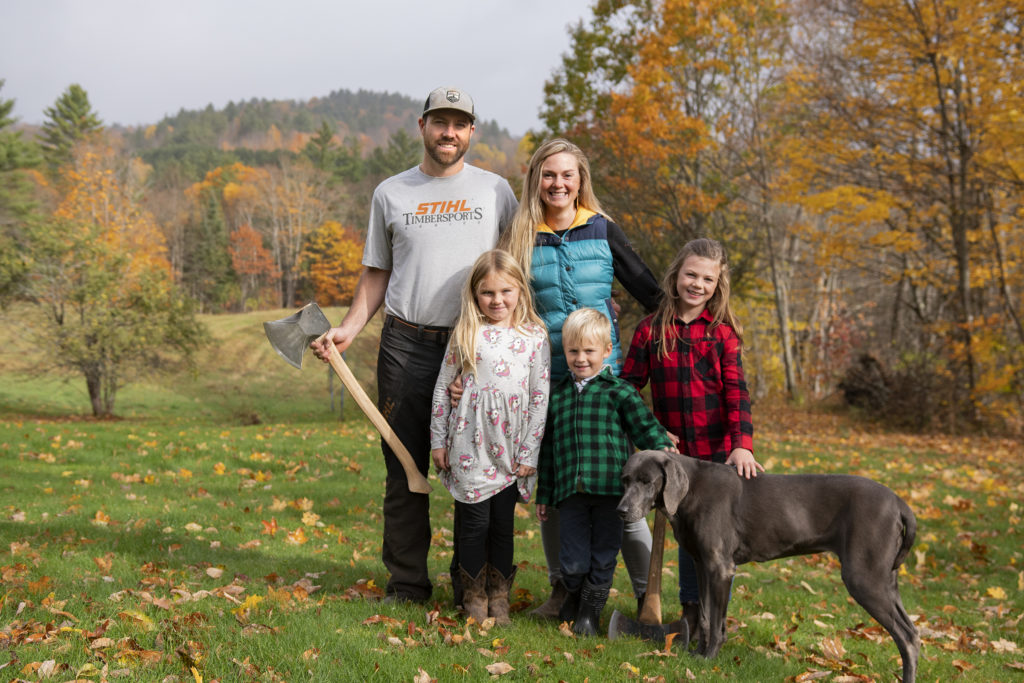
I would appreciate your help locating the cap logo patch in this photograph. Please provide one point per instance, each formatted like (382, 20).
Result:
(452, 96)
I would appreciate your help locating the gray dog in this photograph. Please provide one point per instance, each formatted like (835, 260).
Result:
(724, 520)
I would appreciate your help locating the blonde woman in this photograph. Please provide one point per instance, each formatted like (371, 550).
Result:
(572, 252)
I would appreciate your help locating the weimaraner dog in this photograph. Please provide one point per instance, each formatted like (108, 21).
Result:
(724, 520)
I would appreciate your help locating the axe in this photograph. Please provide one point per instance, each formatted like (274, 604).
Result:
(291, 336)
(648, 625)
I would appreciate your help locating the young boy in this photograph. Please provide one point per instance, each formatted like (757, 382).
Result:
(594, 418)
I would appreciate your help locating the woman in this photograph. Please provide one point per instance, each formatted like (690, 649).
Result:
(563, 238)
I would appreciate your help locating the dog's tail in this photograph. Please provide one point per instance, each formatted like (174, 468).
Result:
(909, 533)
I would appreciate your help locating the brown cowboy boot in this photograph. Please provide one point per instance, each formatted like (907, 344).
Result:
(498, 588)
(474, 593)
(550, 609)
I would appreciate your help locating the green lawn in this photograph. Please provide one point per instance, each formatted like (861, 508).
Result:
(227, 527)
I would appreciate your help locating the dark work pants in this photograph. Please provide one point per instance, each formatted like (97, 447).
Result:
(590, 532)
(485, 532)
(407, 368)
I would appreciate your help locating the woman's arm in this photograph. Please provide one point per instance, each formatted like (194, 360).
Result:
(631, 270)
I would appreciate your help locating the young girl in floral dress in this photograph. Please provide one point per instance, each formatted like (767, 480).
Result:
(486, 448)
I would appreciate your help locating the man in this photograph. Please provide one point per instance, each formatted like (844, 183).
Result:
(427, 227)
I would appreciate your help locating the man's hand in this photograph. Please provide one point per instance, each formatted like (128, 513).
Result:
(338, 336)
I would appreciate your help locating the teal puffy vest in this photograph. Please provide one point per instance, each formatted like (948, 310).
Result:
(570, 272)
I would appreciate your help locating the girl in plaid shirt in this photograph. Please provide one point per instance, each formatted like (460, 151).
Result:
(689, 350)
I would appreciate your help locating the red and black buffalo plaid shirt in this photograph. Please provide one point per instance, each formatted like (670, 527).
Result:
(698, 391)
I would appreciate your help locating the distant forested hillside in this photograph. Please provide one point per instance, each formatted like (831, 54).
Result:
(260, 132)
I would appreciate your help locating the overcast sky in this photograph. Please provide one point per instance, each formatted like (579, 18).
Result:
(142, 59)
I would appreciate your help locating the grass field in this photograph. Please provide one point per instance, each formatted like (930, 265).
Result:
(226, 527)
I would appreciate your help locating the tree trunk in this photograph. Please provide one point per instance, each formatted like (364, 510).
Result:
(94, 384)
(781, 310)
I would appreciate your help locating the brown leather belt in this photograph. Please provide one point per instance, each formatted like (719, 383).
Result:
(435, 335)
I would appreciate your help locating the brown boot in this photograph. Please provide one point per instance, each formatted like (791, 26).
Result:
(474, 593)
(550, 609)
(498, 588)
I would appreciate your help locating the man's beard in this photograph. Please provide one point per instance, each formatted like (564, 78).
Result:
(442, 160)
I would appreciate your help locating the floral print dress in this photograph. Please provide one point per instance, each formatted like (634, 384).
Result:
(499, 422)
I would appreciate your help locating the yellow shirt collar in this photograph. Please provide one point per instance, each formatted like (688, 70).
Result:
(582, 217)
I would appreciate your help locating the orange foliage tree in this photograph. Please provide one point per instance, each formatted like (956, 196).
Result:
(675, 108)
(252, 263)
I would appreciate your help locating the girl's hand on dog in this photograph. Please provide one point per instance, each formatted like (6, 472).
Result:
(744, 462)
(440, 458)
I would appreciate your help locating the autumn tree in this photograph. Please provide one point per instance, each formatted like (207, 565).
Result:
(253, 263)
(100, 277)
(70, 120)
(223, 202)
(919, 119)
(673, 102)
(294, 199)
(334, 257)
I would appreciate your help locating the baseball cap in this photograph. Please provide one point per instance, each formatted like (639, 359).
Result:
(449, 98)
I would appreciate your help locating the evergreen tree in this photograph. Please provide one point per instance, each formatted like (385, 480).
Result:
(69, 120)
(206, 271)
(16, 201)
(343, 162)
(321, 148)
(403, 152)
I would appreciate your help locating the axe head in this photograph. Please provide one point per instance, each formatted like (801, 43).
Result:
(291, 336)
(621, 625)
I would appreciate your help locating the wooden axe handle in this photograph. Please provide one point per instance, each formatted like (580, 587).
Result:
(650, 613)
(417, 482)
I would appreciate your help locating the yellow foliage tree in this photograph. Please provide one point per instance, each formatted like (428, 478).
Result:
(918, 109)
(333, 254)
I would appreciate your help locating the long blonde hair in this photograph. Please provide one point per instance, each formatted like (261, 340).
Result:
(663, 327)
(467, 327)
(518, 238)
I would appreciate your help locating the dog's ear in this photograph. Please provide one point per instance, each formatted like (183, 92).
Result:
(676, 482)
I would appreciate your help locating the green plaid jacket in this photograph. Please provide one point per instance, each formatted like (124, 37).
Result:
(587, 439)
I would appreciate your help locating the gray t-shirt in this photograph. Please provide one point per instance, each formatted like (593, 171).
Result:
(428, 232)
